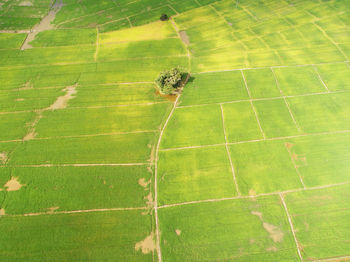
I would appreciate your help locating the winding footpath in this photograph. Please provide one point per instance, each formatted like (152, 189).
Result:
(159, 253)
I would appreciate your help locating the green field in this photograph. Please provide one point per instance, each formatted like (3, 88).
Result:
(250, 162)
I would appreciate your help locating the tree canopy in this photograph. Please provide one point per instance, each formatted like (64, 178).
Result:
(169, 81)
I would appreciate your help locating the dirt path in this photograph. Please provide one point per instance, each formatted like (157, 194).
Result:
(159, 253)
(255, 196)
(52, 211)
(291, 226)
(228, 152)
(45, 24)
(252, 105)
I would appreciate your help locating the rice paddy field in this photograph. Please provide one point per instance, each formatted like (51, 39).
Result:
(251, 162)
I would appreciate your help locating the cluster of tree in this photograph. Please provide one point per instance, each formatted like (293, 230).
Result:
(169, 81)
(164, 17)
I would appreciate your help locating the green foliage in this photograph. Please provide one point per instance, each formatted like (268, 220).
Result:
(164, 17)
(169, 81)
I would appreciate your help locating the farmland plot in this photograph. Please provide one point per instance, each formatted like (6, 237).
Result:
(249, 163)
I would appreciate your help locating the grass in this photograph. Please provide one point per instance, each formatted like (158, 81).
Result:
(111, 95)
(68, 236)
(226, 230)
(336, 77)
(213, 88)
(275, 118)
(8, 40)
(195, 174)
(334, 108)
(85, 121)
(261, 83)
(202, 126)
(259, 167)
(125, 148)
(299, 80)
(153, 31)
(320, 218)
(133, 70)
(30, 99)
(240, 122)
(321, 160)
(14, 126)
(273, 76)
(150, 48)
(75, 188)
(65, 37)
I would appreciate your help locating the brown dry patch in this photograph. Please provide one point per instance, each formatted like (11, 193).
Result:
(184, 37)
(3, 157)
(252, 241)
(324, 197)
(153, 154)
(52, 209)
(307, 226)
(275, 233)
(149, 199)
(252, 192)
(19, 99)
(31, 135)
(149, 204)
(26, 3)
(13, 184)
(170, 98)
(178, 232)
(45, 24)
(272, 249)
(147, 245)
(27, 85)
(258, 214)
(288, 145)
(142, 182)
(62, 101)
(303, 159)
(2, 212)
(295, 156)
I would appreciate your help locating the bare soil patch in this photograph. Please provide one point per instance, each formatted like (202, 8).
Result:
(178, 232)
(2, 212)
(52, 209)
(147, 245)
(295, 156)
(272, 249)
(13, 184)
(142, 182)
(170, 98)
(31, 135)
(27, 85)
(289, 145)
(258, 214)
(26, 3)
(3, 157)
(184, 37)
(252, 192)
(62, 101)
(45, 24)
(275, 233)
(149, 200)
